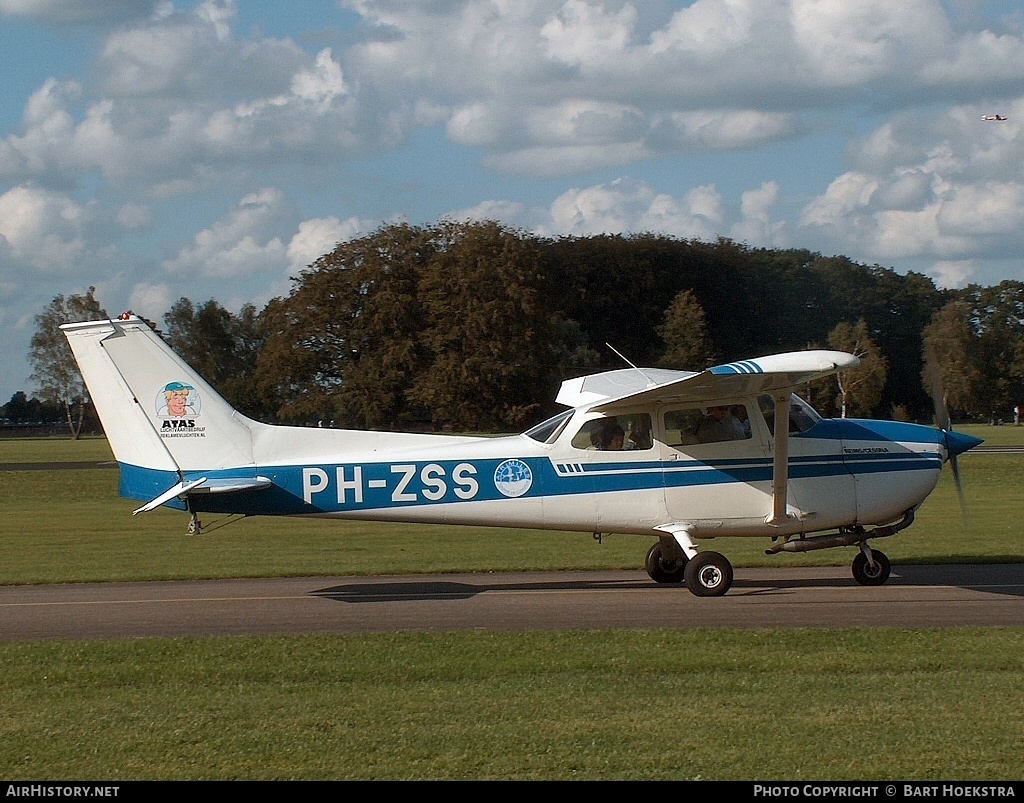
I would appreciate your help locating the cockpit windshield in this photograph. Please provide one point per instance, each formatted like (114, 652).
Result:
(548, 431)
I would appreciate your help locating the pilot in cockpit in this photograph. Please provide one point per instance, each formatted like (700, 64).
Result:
(611, 439)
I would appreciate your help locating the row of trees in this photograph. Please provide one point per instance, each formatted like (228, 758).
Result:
(22, 412)
(473, 325)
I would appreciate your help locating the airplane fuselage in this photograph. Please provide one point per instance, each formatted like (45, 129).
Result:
(842, 472)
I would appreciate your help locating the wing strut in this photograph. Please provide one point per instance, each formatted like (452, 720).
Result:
(780, 465)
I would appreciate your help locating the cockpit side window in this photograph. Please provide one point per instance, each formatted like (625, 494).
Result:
(801, 415)
(615, 434)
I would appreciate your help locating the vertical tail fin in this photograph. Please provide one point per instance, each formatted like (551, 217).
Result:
(158, 413)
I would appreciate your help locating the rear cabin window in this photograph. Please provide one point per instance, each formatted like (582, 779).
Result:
(615, 434)
(694, 425)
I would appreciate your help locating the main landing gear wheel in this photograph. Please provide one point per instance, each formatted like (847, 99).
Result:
(868, 575)
(708, 574)
(662, 569)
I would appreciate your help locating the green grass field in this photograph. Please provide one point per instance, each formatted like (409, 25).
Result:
(659, 704)
(1005, 435)
(651, 704)
(53, 450)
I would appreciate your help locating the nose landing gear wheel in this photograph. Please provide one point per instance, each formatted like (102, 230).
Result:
(868, 575)
(708, 574)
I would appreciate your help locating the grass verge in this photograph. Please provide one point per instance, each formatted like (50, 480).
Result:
(694, 704)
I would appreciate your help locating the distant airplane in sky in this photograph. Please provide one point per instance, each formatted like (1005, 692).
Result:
(993, 117)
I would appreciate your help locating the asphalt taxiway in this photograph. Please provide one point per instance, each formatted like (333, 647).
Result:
(915, 596)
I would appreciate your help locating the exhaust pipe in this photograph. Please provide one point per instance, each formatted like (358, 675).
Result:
(842, 538)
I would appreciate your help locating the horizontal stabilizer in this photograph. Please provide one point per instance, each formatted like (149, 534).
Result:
(168, 495)
(204, 485)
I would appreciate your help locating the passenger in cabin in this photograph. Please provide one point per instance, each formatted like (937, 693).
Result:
(637, 440)
(720, 425)
(739, 412)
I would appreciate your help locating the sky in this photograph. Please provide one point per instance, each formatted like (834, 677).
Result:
(158, 150)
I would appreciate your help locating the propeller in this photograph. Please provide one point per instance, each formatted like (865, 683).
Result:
(956, 443)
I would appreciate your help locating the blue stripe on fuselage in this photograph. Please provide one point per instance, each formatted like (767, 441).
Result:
(145, 484)
(852, 429)
(326, 488)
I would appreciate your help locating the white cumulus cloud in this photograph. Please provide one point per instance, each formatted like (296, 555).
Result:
(243, 243)
(627, 205)
(70, 12)
(320, 236)
(952, 273)
(41, 228)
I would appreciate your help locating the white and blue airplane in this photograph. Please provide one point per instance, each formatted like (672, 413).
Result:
(679, 456)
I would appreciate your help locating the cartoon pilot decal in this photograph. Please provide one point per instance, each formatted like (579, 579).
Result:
(177, 400)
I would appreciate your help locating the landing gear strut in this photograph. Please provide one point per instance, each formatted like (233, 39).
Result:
(675, 558)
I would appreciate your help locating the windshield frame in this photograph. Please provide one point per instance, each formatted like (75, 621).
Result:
(547, 431)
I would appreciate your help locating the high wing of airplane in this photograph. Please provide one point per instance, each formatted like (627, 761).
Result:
(678, 456)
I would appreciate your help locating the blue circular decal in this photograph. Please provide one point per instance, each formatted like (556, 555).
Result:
(513, 478)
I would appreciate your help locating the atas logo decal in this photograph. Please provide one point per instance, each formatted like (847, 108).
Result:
(179, 405)
(513, 478)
